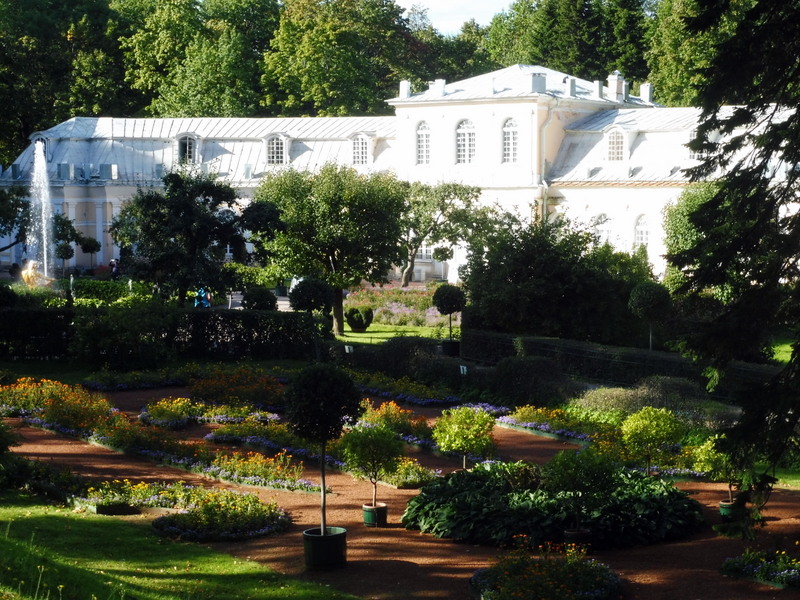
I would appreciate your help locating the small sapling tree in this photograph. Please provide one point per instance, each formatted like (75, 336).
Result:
(449, 299)
(466, 430)
(651, 433)
(371, 452)
(320, 401)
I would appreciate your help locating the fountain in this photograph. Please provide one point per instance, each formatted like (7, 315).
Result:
(39, 243)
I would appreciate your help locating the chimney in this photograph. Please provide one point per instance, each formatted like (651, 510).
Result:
(437, 87)
(616, 86)
(569, 86)
(598, 89)
(626, 91)
(405, 89)
(538, 83)
(646, 92)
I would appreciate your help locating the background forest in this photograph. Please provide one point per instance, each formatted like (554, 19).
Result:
(251, 58)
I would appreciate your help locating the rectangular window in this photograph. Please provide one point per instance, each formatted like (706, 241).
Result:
(465, 147)
(423, 148)
(509, 146)
(424, 253)
(360, 154)
(275, 151)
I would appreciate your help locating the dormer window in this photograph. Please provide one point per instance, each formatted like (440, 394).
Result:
(423, 144)
(188, 149)
(615, 146)
(465, 142)
(277, 150)
(360, 150)
(510, 141)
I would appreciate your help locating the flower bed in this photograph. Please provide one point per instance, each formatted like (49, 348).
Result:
(777, 568)
(550, 572)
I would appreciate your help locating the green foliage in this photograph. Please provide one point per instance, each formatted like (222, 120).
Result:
(410, 474)
(651, 433)
(777, 568)
(358, 318)
(512, 278)
(484, 506)
(8, 297)
(240, 385)
(465, 430)
(401, 421)
(179, 253)
(530, 380)
(340, 226)
(320, 400)
(259, 298)
(371, 452)
(551, 572)
(583, 479)
(311, 294)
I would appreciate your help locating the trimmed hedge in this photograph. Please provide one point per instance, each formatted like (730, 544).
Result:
(34, 333)
(604, 364)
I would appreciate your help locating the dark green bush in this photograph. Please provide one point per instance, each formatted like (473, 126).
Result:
(34, 333)
(358, 317)
(311, 294)
(259, 298)
(531, 380)
(485, 505)
(8, 297)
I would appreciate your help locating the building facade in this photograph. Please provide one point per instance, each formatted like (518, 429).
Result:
(536, 141)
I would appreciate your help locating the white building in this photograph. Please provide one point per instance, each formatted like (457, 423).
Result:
(534, 140)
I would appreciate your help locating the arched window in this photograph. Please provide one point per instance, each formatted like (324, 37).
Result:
(423, 144)
(602, 228)
(465, 142)
(360, 150)
(510, 140)
(276, 150)
(187, 149)
(616, 146)
(641, 233)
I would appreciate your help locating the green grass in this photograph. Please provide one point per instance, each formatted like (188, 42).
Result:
(50, 552)
(378, 333)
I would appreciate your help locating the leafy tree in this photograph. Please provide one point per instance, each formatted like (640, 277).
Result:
(519, 278)
(14, 215)
(449, 299)
(371, 452)
(466, 430)
(749, 228)
(678, 56)
(64, 251)
(177, 238)
(89, 246)
(340, 57)
(440, 216)
(311, 294)
(216, 79)
(161, 33)
(651, 301)
(651, 433)
(320, 401)
(338, 225)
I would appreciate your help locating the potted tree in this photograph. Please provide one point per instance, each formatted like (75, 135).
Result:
(449, 299)
(583, 478)
(371, 452)
(320, 401)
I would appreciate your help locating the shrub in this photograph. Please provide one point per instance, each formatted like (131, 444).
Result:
(259, 298)
(465, 430)
(359, 318)
(311, 294)
(449, 299)
(494, 502)
(8, 297)
(77, 410)
(410, 474)
(530, 380)
(171, 413)
(256, 465)
(223, 515)
(776, 567)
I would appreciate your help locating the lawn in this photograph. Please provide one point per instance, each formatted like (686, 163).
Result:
(379, 333)
(51, 552)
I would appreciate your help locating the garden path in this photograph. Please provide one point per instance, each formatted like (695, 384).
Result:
(395, 564)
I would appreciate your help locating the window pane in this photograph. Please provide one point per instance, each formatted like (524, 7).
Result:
(465, 143)
(510, 137)
(275, 151)
(616, 146)
(423, 144)
(360, 151)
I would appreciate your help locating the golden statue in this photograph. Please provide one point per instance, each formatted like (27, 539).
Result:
(32, 277)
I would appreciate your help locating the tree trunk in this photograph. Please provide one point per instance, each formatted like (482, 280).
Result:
(323, 504)
(338, 311)
(408, 271)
